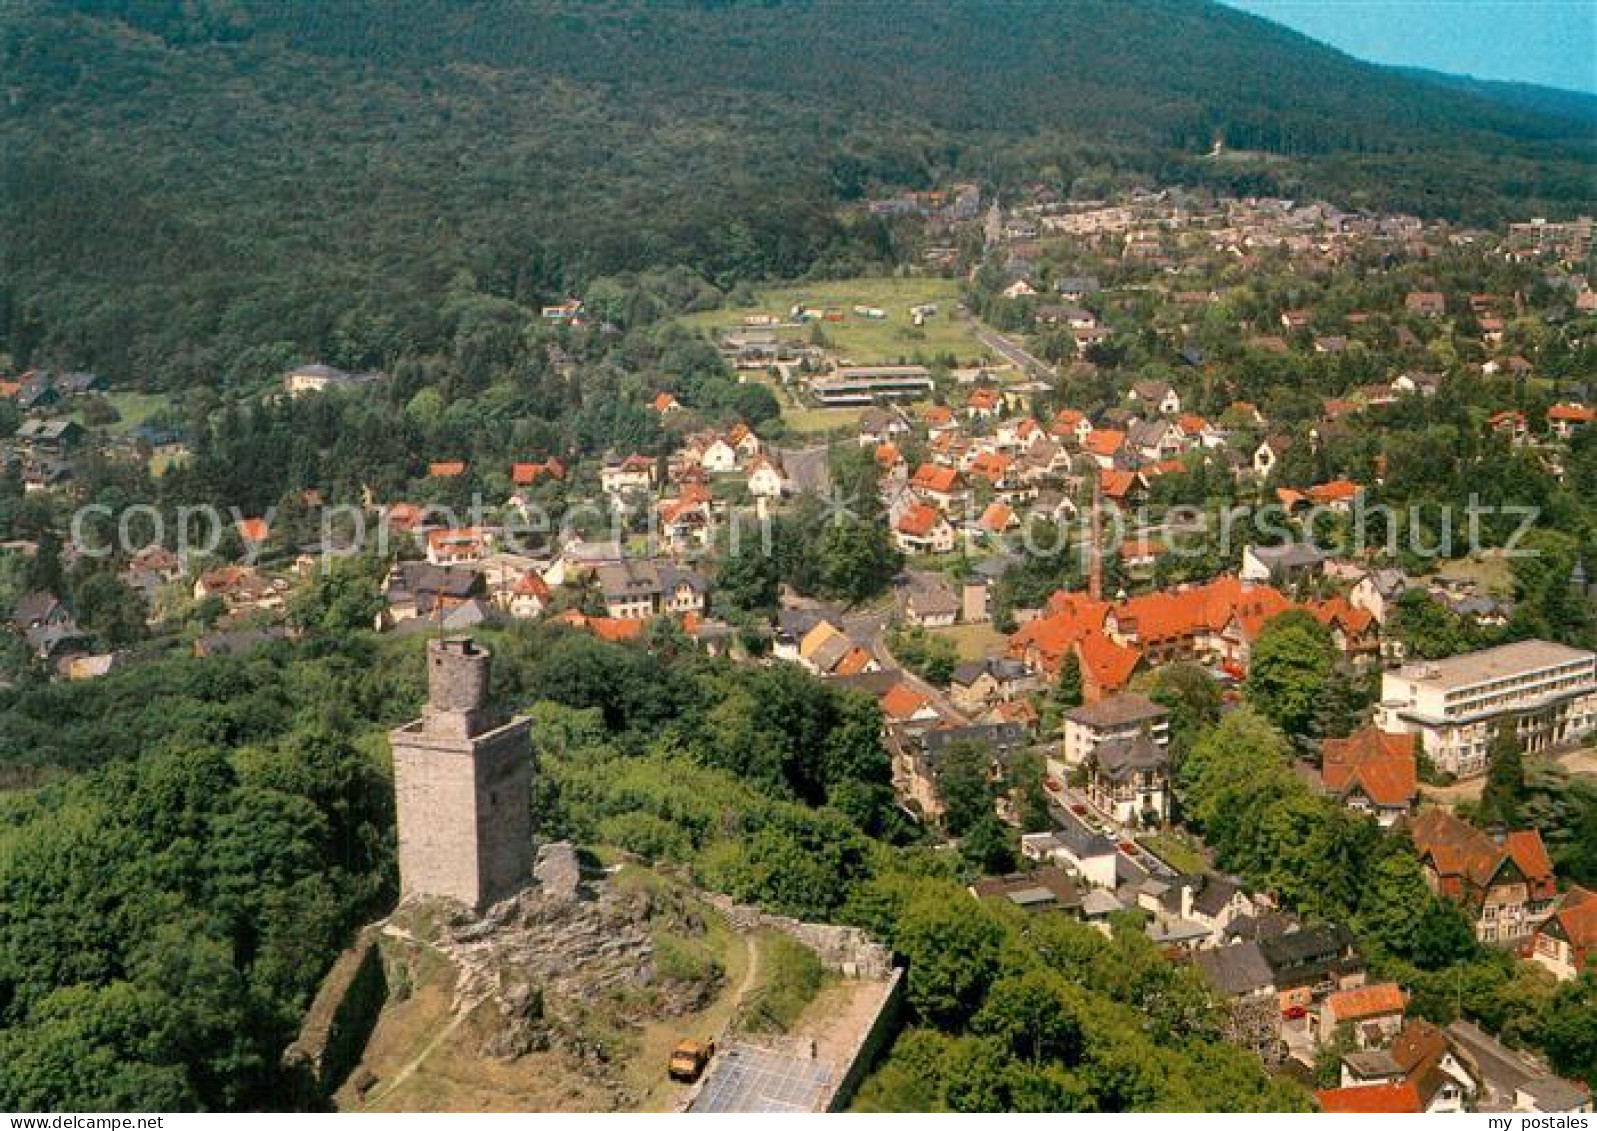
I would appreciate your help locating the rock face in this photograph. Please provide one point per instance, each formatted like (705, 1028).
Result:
(533, 969)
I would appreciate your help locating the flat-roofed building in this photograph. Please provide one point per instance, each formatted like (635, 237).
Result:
(865, 384)
(1455, 705)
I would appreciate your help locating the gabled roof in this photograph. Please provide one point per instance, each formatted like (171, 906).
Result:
(1119, 759)
(997, 518)
(991, 466)
(1110, 666)
(1117, 711)
(1462, 854)
(902, 701)
(1105, 441)
(919, 520)
(932, 477)
(1382, 767)
(1366, 1002)
(1370, 1099)
(1237, 970)
(1576, 918)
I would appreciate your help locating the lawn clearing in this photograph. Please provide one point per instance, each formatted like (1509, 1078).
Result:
(1174, 851)
(973, 641)
(866, 341)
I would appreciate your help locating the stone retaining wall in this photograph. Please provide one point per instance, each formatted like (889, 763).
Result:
(846, 950)
(873, 1042)
(340, 1019)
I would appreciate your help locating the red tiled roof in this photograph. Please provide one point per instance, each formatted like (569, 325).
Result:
(1066, 421)
(1576, 413)
(253, 529)
(1577, 915)
(991, 466)
(919, 520)
(1366, 1002)
(984, 399)
(1382, 766)
(525, 474)
(448, 469)
(465, 535)
(1108, 665)
(1105, 441)
(533, 585)
(856, 661)
(902, 701)
(1337, 490)
(1460, 853)
(614, 630)
(1117, 484)
(997, 518)
(1528, 851)
(888, 455)
(1400, 1099)
(931, 477)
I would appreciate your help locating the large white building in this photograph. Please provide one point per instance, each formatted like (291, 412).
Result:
(1455, 705)
(1113, 719)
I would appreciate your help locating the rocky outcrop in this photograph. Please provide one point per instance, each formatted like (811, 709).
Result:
(534, 966)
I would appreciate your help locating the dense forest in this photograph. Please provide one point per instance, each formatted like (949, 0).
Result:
(190, 188)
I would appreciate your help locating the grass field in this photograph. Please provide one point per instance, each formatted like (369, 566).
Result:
(132, 410)
(1174, 851)
(863, 340)
(973, 641)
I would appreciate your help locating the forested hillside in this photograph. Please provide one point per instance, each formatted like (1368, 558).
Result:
(185, 187)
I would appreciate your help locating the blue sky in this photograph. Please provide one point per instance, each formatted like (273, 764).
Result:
(1551, 42)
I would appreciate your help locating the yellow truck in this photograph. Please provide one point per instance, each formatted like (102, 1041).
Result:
(689, 1059)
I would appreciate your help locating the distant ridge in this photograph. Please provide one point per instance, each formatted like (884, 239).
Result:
(198, 180)
(1552, 101)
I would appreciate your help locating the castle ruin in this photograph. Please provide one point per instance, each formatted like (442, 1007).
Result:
(462, 786)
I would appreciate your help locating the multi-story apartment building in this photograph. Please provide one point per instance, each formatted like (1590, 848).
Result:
(1117, 717)
(1548, 691)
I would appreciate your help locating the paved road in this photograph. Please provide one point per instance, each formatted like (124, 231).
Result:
(870, 629)
(1146, 861)
(1582, 763)
(1029, 363)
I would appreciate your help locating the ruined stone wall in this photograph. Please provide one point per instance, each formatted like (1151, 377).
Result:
(847, 950)
(873, 1041)
(340, 1020)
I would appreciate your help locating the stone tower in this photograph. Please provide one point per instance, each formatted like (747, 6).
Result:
(462, 786)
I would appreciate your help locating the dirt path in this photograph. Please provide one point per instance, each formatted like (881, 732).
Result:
(1581, 762)
(397, 1081)
(751, 977)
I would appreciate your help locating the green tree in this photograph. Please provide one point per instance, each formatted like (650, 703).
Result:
(1291, 664)
(1068, 689)
(1504, 791)
(965, 786)
(857, 559)
(953, 956)
(344, 596)
(1570, 1035)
